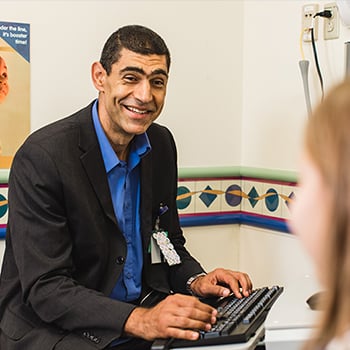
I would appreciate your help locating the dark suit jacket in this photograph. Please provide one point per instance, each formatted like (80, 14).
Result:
(64, 250)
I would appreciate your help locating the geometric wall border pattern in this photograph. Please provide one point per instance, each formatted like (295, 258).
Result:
(3, 209)
(238, 200)
(260, 199)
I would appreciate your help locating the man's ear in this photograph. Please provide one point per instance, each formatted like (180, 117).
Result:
(98, 74)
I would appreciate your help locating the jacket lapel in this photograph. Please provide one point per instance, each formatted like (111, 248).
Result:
(146, 199)
(92, 161)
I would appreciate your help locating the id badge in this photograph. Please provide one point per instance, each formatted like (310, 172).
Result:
(166, 247)
(160, 246)
(156, 257)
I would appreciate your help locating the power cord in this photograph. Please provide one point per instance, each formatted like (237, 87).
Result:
(316, 60)
(325, 14)
(304, 64)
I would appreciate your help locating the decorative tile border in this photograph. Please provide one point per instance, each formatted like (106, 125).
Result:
(3, 209)
(251, 196)
(218, 196)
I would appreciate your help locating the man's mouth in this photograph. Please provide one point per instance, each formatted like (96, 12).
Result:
(136, 110)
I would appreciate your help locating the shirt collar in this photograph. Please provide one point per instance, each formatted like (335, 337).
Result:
(139, 148)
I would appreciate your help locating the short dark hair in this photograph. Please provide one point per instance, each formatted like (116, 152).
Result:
(135, 38)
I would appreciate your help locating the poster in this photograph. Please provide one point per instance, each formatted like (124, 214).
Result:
(14, 88)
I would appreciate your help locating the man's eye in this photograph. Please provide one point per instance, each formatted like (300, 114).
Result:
(130, 78)
(158, 82)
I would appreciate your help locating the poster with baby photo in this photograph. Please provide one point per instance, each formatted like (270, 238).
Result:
(14, 88)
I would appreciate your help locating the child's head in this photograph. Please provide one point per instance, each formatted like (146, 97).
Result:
(321, 212)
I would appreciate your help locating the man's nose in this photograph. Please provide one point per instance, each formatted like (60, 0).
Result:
(143, 91)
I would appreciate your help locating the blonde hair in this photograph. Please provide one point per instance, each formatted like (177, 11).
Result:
(327, 140)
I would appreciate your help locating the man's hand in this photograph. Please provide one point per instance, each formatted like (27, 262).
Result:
(222, 282)
(176, 316)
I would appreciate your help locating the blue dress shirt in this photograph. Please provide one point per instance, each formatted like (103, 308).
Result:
(124, 184)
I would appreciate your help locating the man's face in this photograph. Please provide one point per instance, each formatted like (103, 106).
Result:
(4, 88)
(133, 95)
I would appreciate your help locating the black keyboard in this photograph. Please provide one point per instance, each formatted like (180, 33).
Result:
(237, 320)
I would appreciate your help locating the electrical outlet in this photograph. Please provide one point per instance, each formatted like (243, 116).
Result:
(308, 21)
(331, 25)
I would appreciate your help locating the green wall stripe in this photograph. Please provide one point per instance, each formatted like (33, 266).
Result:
(269, 174)
(260, 173)
(4, 176)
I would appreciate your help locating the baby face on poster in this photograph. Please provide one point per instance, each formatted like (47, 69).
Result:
(4, 87)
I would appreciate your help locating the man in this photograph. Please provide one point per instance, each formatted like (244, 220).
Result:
(93, 236)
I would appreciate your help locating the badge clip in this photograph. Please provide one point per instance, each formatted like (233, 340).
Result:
(160, 237)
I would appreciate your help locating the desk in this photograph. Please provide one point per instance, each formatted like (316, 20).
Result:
(290, 321)
(249, 345)
(288, 325)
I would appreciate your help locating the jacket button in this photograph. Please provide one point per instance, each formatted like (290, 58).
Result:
(120, 260)
(96, 340)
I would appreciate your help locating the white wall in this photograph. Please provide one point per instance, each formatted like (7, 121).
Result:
(215, 246)
(204, 100)
(235, 93)
(274, 110)
(275, 258)
(270, 258)
(2, 251)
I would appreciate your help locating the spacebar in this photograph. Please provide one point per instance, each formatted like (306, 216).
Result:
(209, 334)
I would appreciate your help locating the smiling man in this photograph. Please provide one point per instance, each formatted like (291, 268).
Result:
(131, 95)
(95, 257)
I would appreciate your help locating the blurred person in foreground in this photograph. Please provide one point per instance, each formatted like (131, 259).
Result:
(321, 213)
